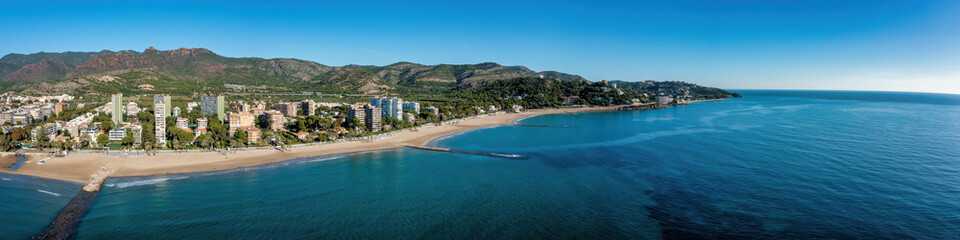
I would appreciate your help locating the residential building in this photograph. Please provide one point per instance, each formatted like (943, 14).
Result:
(192, 106)
(210, 105)
(377, 102)
(6, 116)
(91, 133)
(136, 131)
(415, 106)
(21, 117)
(390, 107)
(302, 135)
(409, 117)
(117, 113)
(434, 110)
(118, 133)
(516, 108)
(373, 118)
(182, 123)
(277, 120)
(309, 107)
(289, 109)
(570, 99)
(161, 109)
(46, 112)
(201, 124)
(253, 134)
(479, 110)
(395, 108)
(175, 112)
(59, 107)
(359, 113)
(244, 107)
(239, 120)
(132, 110)
(664, 100)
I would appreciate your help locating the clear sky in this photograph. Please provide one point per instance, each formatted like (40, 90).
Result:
(902, 45)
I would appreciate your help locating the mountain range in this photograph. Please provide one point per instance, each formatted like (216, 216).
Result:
(191, 70)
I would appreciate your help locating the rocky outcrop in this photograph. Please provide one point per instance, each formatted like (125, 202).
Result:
(198, 60)
(42, 70)
(294, 68)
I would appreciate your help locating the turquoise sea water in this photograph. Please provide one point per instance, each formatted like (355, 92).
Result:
(773, 164)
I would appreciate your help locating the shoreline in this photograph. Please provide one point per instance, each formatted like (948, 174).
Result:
(77, 167)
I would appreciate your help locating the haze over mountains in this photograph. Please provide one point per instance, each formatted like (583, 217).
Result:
(197, 69)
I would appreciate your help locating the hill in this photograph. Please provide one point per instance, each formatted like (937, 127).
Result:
(191, 70)
(674, 88)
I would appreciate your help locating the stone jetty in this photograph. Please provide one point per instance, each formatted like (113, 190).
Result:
(440, 149)
(68, 219)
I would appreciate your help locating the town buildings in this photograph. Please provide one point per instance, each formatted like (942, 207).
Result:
(357, 113)
(434, 110)
(132, 109)
(161, 109)
(240, 120)
(136, 131)
(192, 106)
(373, 118)
(117, 110)
(393, 107)
(182, 124)
(253, 134)
(570, 100)
(210, 105)
(59, 107)
(117, 133)
(409, 117)
(289, 109)
(202, 124)
(309, 107)
(277, 120)
(414, 106)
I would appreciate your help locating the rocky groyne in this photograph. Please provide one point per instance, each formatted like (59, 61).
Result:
(68, 219)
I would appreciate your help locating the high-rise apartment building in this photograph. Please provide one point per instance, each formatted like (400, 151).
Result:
(373, 118)
(161, 110)
(117, 113)
(210, 105)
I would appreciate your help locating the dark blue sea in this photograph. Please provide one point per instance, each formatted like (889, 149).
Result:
(773, 164)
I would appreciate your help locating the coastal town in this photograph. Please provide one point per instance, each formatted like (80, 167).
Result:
(142, 124)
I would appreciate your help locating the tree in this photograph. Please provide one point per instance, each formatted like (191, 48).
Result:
(103, 139)
(241, 136)
(192, 115)
(149, 136)
(127, 140)
(145, 116)
(215, 126)
(106, 125)
(205, 140)
(353, 123)
(264, 123)
(299, 125)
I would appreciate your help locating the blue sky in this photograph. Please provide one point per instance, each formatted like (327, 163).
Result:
(784, 44)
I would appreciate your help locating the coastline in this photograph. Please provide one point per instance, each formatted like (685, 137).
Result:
(78, 167)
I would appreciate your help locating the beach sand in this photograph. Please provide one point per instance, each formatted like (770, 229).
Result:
(77, 167)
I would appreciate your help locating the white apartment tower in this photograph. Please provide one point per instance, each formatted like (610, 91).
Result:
(161, 107)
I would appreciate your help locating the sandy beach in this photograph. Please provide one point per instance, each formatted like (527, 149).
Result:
(77, 167)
